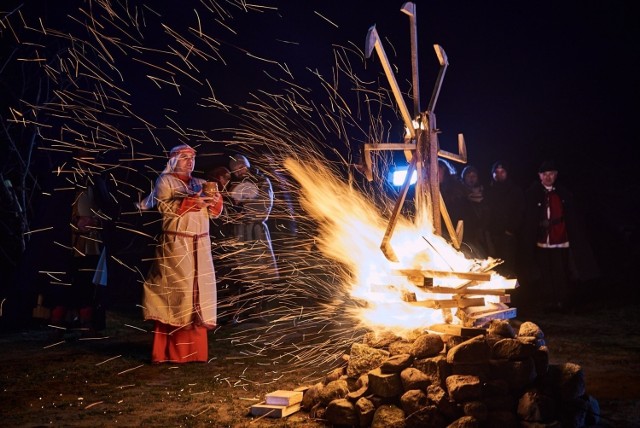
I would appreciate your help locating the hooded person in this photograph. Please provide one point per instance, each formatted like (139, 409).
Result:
(180, 289)
(253, 197)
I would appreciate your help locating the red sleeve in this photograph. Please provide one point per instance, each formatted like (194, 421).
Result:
(215, 210)
(188, 205)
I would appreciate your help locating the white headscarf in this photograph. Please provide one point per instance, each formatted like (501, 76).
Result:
(151, 199)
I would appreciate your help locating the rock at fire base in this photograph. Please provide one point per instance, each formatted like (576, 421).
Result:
(465, 422)
(310, 397)
(427, 345)
(362, 385)
(341, 412)
(388, 416)
(396, 363)
(512, 349)
(536, 407)
(385, 385)
(473, 351)
(413, 378)
(333, 391)
(463, 388)
(380, 339)
(363, 359)
(365, 410)
(436, 368)
(501, 328)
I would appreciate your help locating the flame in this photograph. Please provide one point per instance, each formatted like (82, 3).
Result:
(350, 230)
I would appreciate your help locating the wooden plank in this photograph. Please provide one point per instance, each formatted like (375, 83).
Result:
(459, 302)
(451, 290)
(487, 317)
(429, 273)
(274, 411)
(457, 330)
(283, 397)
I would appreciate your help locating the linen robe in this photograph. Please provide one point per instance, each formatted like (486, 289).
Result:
(181, 286)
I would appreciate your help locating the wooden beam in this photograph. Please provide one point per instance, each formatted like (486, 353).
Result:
(429, 273)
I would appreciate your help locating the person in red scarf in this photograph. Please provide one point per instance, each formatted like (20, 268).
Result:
(180, 289)
(555, 251)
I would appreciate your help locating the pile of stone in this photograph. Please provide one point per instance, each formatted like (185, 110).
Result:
(498, 379)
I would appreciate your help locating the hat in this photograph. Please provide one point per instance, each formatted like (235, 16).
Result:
(499, 164)
(237, 162)
(548, 165)
(182, 149)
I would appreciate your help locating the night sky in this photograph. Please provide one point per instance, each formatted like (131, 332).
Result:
(526, 81)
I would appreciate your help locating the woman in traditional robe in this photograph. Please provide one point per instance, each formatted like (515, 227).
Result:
(180, 289)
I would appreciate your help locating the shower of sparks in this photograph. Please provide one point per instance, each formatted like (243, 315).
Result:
(93, 122)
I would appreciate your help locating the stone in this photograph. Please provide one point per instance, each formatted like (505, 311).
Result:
(534, 406)
(474, 350)
(530, 329)
(388, 416)
(413, 378)
(396, 363)
(501, 328)
(333, 390)
(427, 345)
(311, 396)
(364, 411)
(464, 388)
(477, 409)
(512, 349)
(341, 412)
(436, 368)
(364, 359)
(384, 385)
(465, 422)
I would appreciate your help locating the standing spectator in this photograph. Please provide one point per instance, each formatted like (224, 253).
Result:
(506, 205)
(180, 290)
(81, 297)
(253, 195)
(475, 228)
(554, 239)
(452, 191)
(225, 248)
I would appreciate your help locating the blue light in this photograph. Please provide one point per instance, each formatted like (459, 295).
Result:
(398, 176)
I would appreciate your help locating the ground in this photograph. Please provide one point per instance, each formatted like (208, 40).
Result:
(110, 381)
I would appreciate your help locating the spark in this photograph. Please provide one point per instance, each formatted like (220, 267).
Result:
(112, 67)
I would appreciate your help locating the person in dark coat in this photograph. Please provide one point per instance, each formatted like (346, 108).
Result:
(556, 252)
(505, 200)
(477, 221)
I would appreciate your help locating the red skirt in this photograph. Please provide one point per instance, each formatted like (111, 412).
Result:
(179, 345)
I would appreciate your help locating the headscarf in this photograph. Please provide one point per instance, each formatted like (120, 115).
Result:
(151, 199)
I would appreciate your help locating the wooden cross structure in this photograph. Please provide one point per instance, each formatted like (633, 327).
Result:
(421, 146)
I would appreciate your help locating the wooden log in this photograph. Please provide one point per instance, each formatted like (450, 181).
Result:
(456, 302)
(485, 318)
(429, 273)
(457, 330)
(451, 290)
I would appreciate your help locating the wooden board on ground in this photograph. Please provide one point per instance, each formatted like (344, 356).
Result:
(274, 411)
(283, 397)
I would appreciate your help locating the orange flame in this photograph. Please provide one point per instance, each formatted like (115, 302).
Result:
(351, 230)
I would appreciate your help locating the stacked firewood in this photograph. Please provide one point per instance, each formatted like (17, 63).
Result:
(499, 379)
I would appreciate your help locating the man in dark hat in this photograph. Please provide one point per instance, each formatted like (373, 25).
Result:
(556, 251)
(505, 200)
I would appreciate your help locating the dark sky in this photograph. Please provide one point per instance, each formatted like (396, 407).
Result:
(526, 81)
